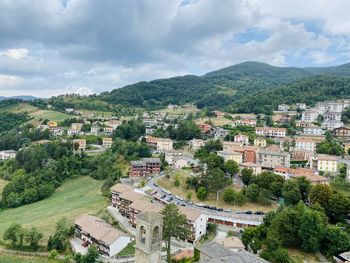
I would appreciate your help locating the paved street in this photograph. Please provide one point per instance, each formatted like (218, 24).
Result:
(154, 186)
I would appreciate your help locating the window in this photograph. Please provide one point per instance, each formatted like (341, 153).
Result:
(142, 235)
(155, 235)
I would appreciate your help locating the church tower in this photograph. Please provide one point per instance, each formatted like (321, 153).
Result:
(149, 238)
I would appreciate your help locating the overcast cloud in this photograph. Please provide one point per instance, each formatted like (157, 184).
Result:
(51, 47)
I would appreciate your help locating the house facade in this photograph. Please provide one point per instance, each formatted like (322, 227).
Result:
(271, 132)
(145, 167)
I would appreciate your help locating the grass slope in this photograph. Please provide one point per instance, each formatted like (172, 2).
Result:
(38, 114)
(2, 185)
(74, 198)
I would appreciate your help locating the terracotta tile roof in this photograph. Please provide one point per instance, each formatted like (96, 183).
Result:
(145, 206)
(131, 196)
(185, 253)
(191, 213)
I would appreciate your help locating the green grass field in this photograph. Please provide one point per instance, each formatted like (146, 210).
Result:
(23, 259)
(38, 114)
(74, 198)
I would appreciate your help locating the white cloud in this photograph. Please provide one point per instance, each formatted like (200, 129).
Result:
(90, 46)
(16, 53)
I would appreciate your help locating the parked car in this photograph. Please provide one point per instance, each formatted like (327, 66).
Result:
(238, 212)
(228, 210)
(154, 192)
(248, 212)
(155, 184)
(212, 207)
(220, 209)
(259, 213)
(200, 205)
(183, 204)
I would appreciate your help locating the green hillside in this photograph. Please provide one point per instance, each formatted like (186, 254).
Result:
(233, 88)
(308, 90)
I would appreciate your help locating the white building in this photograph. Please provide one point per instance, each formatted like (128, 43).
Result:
(220, 133)
(93, 230)
(313, 131)
(331, 125)
(332, 116)
(242, 138)
(271, 132)
(7, 154)
(309, 115)
(283, 107)
(197, 221)
(305, 144)
(301, 106)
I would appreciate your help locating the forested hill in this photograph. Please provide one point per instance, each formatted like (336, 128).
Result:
(308, 90)
(217, 89)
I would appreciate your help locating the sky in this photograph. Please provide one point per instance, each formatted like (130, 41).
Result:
(52, 47)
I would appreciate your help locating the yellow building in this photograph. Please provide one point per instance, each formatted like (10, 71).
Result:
(260, 142)
(235, 156)
(52, 124)
(327, 163)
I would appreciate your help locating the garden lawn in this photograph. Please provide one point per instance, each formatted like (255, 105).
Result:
(74, 198)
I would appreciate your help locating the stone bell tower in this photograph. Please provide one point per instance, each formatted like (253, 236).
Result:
(148, 238)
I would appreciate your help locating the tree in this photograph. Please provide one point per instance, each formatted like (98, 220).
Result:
(335, 240)
(338, 207)
(291, 192)
(13, 233)
(252, 192)
(247, 175)
(229, 196)
(264, 196)
(304, 187)
(91, 255)
(215, 180)
(174, 225)
(311, 231)
(240, 198)
(189, 195)
(320, 193)
(59, 240)
(231, 167)
(33, 236)
(202, 193)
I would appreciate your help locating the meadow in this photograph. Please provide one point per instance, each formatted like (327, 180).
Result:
(74, 198)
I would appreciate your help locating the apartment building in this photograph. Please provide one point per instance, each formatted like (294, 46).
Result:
(232, 155)
(272, 158)
(271, 132)
(117, 190)
(327, 163)
(260, 142)
(7, 154)
(107, 142)
(249, 153)
(317, 131)
(331, 125)
(302, 124)
(341, 132)
(145, 167)
(309, 115)
(92, 230)
(332, 116)
(305, 144)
